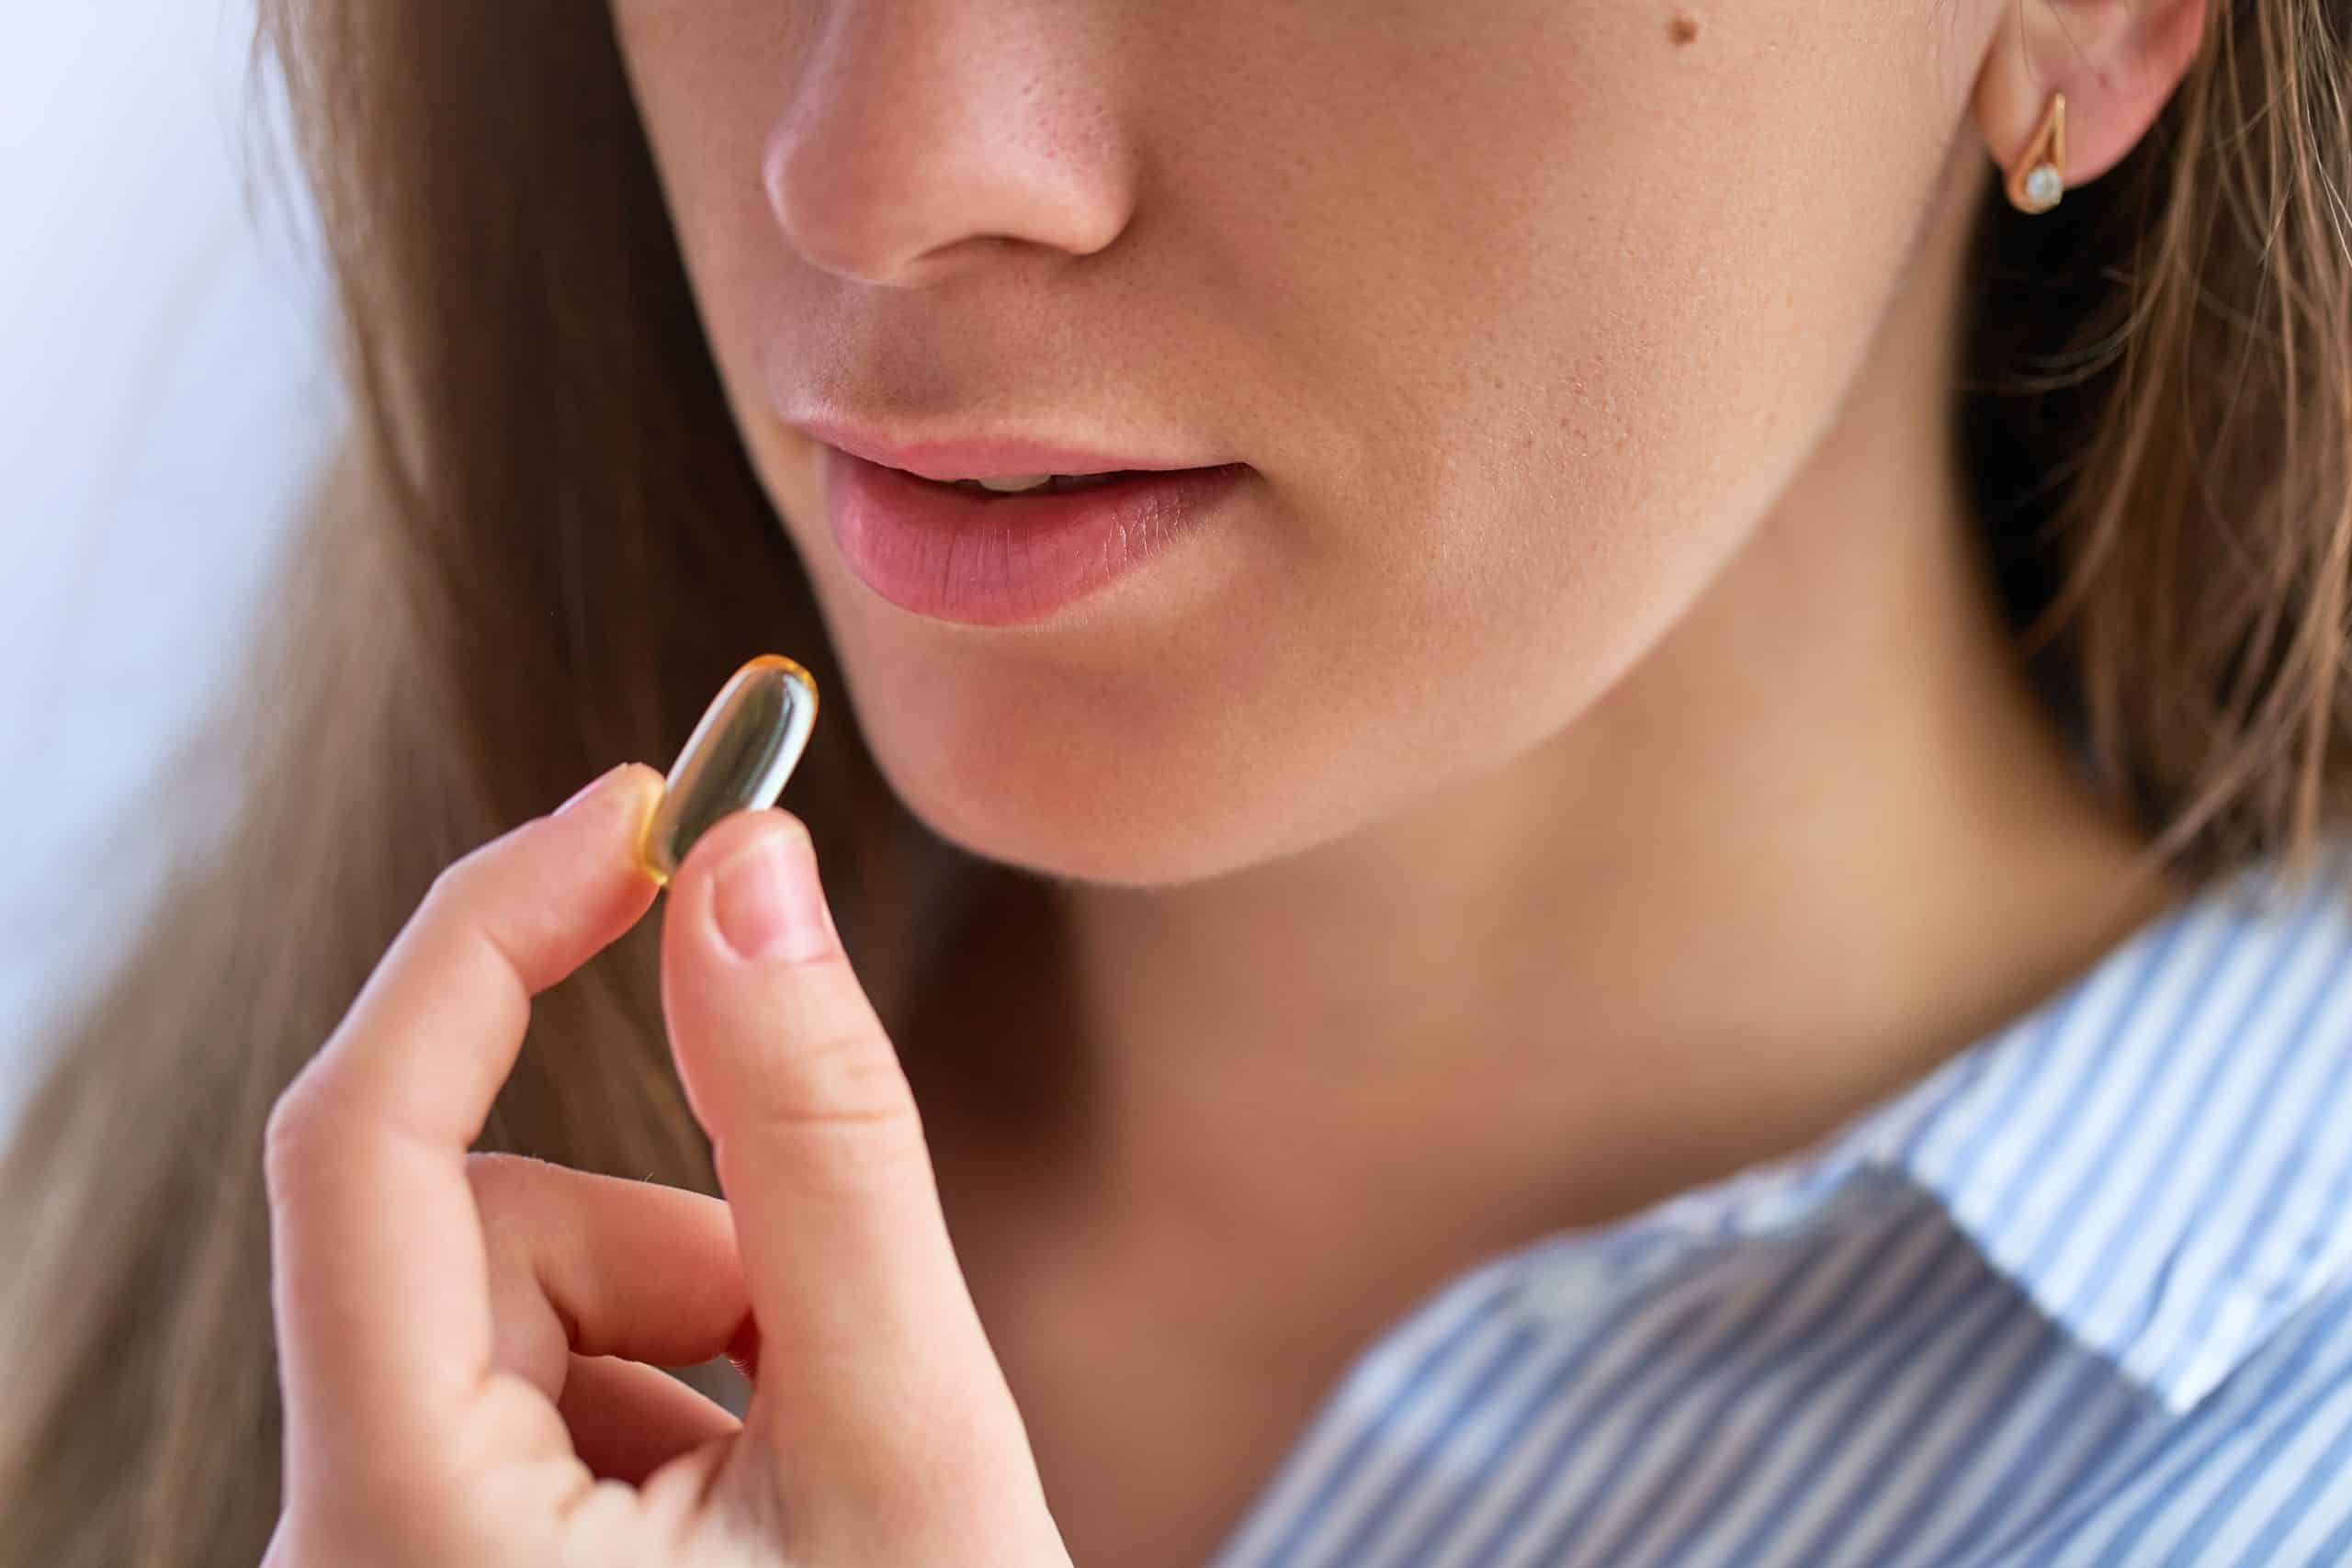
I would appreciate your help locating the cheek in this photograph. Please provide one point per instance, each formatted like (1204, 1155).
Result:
(1525, 333)
(1668, 296)
(1542, 383)
(709, 76)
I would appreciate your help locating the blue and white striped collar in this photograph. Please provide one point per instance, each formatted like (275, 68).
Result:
(2159, 1154)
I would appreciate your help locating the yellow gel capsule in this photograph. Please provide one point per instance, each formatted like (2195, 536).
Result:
(749, 742)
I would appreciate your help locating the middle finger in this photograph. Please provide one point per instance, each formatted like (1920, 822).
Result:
(589, 1264)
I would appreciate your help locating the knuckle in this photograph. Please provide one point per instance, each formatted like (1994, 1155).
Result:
(463, 880)
(453, 882)
(850, 1075)
(849, 1122)
(292, 1132)
(859, 1156)
(501, 1182)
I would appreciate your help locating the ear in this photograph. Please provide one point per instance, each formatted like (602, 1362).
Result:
(2117, 61)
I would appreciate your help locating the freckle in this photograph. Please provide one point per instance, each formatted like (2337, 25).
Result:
(1684, 28)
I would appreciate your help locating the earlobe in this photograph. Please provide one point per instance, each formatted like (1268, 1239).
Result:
(2116, 64)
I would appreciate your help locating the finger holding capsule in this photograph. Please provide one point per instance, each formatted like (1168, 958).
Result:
(380, 1285)
(415, 1065)
(394, 1286)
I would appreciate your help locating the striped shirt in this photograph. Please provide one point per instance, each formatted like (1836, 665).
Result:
(2082, 1296)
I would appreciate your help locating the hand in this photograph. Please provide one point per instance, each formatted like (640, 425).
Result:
(469, 1344)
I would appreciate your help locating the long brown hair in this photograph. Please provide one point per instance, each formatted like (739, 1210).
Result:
(544, 548)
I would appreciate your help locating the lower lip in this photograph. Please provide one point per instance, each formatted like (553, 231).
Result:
(1006, 561)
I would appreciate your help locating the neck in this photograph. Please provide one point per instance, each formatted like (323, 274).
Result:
(1819, 838)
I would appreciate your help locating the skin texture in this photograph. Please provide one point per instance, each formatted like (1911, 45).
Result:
(1513, 398)
(1604, 583)
(1526, 316)
(469, 1343)
(1585, 758)
(1584, 761)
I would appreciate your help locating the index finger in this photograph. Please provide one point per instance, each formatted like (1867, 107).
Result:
(380, 1281)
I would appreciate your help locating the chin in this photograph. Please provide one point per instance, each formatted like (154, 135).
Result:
(1087, 758)
(1114, 821)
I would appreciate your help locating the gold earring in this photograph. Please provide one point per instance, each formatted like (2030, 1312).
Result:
(2037, 176)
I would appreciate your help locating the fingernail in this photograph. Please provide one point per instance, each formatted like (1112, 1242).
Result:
(768, 904)
(591, 787)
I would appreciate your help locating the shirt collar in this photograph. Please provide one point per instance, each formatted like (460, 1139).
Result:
(2158, 1154)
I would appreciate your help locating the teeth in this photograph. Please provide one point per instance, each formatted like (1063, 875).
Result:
(1025, 484)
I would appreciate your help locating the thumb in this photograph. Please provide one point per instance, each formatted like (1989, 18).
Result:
(870, 1346)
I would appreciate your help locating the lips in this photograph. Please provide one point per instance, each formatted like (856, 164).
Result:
(980, 456)
(952, 553)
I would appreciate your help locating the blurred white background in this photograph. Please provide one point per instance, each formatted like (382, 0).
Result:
(166, 387)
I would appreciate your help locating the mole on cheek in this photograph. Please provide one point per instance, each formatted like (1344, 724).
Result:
(1684, 28)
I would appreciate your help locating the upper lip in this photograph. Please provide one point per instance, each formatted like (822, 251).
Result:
(977, 456)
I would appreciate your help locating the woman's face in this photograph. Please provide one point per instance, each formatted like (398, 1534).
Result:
(1524, 312)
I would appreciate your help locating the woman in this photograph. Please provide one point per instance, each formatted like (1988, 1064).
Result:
(1665, 916)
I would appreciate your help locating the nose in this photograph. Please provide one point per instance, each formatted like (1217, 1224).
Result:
(926, 134)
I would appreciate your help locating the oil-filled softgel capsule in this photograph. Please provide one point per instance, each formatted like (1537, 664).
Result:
(749, 742)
